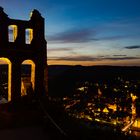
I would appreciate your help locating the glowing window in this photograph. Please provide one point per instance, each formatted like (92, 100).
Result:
(12, 33)
(28, 35)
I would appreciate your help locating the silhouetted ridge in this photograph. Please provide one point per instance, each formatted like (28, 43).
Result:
(64, 78)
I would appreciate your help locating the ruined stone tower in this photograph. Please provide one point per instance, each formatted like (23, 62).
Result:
(21, 41)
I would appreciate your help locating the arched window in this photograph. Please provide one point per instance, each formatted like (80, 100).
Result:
(28, 35)
(27, 77)
(5, 78)
(12, 33)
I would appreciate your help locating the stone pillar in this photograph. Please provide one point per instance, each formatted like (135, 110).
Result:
(3, 28)
(39, 79)
(15, 81)
(21, 36)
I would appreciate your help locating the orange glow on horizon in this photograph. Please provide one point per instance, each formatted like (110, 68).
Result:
(91, 63)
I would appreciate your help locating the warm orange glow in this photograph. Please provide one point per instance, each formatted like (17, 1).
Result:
(72, 104)
(105, 110)
(81, 88)
(134, 97)
(114, 122)
(13, 35)
(113, 107)
(137, 123)
(97, 120)
(88, 117)
(133, 109)
(32, 79)
(23, 90)
(91, 63)
(9, 76)
(99, 92)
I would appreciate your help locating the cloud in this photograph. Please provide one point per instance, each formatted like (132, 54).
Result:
(133, 47)
(76, 58)
(60, 49)
(122, 58)
(116, 30)
(82, 35)
(73, 36)
(116, 37)
(90, 58)
(119, 55)
(69, 50)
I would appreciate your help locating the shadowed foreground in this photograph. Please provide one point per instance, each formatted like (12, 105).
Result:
(26, 120)
(30, 132)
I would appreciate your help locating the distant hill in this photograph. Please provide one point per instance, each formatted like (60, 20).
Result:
(63, 78)
(97, 72)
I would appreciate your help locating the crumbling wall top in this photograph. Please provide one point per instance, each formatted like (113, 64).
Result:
(35, 15)
(3, 15)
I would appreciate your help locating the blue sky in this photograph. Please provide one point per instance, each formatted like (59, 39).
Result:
(91, 32)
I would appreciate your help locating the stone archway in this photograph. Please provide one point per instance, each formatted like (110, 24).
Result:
(8, 62)
(27, 76)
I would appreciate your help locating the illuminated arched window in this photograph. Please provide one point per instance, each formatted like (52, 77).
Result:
(12, 33)
(5, 78)
(27, 77)
(28, 35)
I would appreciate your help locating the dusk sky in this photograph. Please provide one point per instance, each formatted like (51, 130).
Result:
(86, 32)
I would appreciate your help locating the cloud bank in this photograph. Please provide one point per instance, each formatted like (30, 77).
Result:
(133, 47)
(73, 36)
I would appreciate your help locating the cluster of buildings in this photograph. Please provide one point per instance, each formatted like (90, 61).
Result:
(113, 102)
